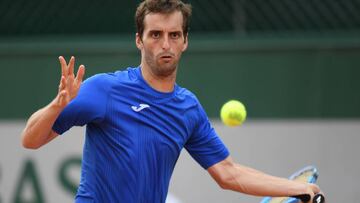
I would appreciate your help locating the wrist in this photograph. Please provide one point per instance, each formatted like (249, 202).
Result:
(56, 106)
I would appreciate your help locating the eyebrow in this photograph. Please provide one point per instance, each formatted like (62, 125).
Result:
(177, 31)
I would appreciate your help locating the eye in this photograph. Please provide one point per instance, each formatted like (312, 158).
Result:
(155, 35)
(175, 35)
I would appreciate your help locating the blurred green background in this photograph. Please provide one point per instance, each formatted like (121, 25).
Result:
(282, 58)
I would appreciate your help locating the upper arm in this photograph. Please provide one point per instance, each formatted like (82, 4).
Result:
(222, 171)
(52, 135)
(31, 142)
(204, 144)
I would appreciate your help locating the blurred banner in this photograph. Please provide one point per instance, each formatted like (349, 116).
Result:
(51, 174)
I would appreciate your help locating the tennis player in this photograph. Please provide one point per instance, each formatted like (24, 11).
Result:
(138, 120)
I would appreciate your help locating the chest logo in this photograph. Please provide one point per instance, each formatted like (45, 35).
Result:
(140, 107)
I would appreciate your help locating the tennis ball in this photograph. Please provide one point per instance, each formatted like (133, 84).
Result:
(233, 113)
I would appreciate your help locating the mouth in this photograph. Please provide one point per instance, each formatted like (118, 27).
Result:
(166, 57)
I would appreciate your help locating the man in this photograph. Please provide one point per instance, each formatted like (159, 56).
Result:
(138, 120)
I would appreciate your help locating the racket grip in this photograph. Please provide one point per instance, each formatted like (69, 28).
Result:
(318, 198)
(303, 198)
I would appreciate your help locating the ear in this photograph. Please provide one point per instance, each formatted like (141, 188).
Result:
(138, 41)
(186, 42)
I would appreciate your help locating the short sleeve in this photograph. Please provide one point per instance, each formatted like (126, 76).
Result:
(88, 106)
(204, 145)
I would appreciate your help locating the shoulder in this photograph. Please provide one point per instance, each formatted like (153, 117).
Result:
(191, 103)
(198, 111)
(100, 78)
(186, 95)
(107, 80)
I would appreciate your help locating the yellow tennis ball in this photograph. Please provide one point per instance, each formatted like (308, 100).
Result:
(233, 113)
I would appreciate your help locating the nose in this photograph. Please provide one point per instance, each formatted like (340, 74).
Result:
(166, 43)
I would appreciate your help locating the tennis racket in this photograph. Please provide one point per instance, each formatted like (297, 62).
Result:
(308, 174)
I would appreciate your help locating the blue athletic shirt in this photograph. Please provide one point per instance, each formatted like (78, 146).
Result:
(134, 136)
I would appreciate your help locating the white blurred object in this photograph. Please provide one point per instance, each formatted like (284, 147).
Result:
(172, 199)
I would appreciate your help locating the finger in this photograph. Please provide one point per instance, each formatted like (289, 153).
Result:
(71, 66)
(63, 65)
(315, 188)
(80, 74)
(62, 84)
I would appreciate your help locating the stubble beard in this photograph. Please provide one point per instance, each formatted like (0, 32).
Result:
(161, 69)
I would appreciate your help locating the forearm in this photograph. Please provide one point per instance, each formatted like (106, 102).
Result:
(38, 130)
(253, 182)
(232, 176)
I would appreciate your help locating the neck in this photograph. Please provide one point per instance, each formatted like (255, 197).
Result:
(159, 83)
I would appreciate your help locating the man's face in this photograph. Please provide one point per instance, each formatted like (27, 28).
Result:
(162, 42)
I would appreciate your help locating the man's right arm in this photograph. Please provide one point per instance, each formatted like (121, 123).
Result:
(232, 176)
(38, 130)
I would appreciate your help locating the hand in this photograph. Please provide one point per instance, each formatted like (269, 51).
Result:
(69, 84)
(313, 190)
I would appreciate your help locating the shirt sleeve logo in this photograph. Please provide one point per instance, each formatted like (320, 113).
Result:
(140, 107)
